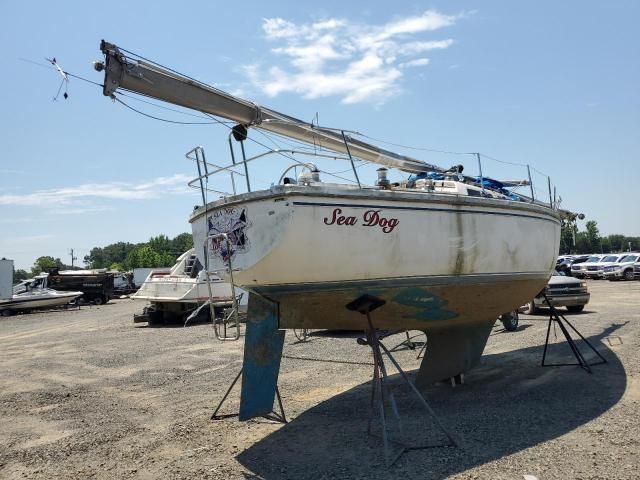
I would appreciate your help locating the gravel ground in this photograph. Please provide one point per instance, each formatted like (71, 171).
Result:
(88, 394)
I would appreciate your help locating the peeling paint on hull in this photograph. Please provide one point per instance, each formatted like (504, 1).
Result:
(427, 304)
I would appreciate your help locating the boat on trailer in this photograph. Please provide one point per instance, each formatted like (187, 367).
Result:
(177, 293)
(446, 253)
(34, 293)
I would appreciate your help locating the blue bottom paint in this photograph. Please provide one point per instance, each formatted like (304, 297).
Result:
(262, 354)
(424, 304)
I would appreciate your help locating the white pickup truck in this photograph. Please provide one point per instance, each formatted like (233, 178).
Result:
(562, 291)
(580, 270)
(624, 268)
(597, 270)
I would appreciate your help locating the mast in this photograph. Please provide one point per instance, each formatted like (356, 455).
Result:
(152, 80)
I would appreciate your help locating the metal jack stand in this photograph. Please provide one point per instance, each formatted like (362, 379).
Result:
(408, 343)
(274, 416)
(365, 304)
(556, 317)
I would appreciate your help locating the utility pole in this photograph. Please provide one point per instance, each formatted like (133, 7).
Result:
(73, 258)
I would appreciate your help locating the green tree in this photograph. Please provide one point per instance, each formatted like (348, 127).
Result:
(117, 266)
(181, 244)
(42, 264)
(160, 244)
(583, 245)
(566, 238)
(616, 242)
(103, 257)
(593, 235)
(144, 256)
(20, 275)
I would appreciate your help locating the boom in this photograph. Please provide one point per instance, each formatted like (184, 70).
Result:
(152, 80)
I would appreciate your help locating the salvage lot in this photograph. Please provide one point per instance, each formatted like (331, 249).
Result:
(88, 394)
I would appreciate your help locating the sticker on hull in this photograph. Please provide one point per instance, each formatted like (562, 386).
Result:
(233, 222)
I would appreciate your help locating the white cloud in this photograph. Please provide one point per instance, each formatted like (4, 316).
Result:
(356, 61)
(418, 62)
(412, 48)
(81, 195)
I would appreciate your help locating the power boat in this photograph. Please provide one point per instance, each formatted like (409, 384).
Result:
(178, 292)
(443, 252)
(34, 293)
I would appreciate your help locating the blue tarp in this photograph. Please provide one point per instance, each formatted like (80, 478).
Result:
(497, 186)
(422, 175)
(489, 183)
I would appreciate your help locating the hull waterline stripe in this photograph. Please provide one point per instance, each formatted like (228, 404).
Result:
(434, 280)
(393, 207)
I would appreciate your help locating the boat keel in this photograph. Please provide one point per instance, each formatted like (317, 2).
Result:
(452, 351)
(262, 354)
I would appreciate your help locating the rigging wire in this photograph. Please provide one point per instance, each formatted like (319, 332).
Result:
(37, 63)
(414, 148)
(283, 154)
(448, 152)
(133, 97)
(159, 118)
(226, 124)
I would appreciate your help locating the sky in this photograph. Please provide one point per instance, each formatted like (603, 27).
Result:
(554, 85)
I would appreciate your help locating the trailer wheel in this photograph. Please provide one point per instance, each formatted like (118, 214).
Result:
(6, 313)
(510, 321)
(98, 301)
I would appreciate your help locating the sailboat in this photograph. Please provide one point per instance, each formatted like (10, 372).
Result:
(446, 253)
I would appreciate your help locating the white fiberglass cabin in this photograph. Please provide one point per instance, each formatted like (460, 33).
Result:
(183, 288)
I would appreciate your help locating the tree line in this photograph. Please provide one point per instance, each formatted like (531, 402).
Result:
(159, 251)
(573, 241)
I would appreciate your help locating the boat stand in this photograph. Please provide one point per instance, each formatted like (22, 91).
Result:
(274, 416)
(380, 391)
(409, 343)
(556, 317)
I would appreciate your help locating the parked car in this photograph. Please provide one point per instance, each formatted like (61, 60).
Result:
(624, 269)
(636, 270)
(597, 271)
(562, 291)
(579, 270)
(564, 262)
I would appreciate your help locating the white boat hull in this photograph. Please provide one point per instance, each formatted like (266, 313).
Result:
(177, 289)
(44, 299)
(437, 260)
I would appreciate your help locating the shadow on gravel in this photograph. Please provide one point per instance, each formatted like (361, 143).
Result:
(544, 312)
(337, 333)
(503, 331)
(509, 403)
